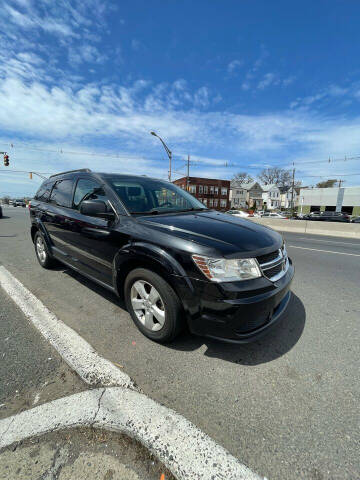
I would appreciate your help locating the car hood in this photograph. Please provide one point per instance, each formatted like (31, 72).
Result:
(232, 236)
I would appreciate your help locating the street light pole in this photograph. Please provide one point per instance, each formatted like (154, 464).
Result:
(167, 150)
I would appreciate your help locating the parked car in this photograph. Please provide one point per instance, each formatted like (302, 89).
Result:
(19, 203)
(238, 213)
(355, 220)
(171, 259)
(328, 216)
(273, 215)
(1, 211)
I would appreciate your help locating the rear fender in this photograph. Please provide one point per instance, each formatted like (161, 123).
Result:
(38, 225)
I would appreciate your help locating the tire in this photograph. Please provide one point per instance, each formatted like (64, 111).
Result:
(43, 256)
(168, 303)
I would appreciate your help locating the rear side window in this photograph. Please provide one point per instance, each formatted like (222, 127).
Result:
(61, 194)
(43, 194)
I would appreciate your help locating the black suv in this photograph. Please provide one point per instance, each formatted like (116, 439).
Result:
(174, 261)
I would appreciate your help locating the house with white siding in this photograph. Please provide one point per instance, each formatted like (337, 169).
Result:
(271, 197)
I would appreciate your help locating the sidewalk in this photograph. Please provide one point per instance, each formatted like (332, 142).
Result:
(81, 454)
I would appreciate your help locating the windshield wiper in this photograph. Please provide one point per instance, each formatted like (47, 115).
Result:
(191, 210)
(153, 212)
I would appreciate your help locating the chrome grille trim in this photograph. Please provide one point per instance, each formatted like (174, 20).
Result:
(281, 259)
(274, 263)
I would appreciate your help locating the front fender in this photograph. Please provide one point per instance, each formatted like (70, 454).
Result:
(146, 255)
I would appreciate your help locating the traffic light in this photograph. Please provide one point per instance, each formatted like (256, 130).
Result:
(6, 159)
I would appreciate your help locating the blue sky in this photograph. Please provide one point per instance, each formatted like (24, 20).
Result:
(239, 85)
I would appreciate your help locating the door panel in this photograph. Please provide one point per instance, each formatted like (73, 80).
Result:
(92, 242)
(92, 245)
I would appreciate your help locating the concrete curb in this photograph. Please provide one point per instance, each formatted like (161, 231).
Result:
(183, 448)
(331, 229)
(77, 352)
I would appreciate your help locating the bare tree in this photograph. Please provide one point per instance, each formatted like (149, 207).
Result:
(327, 183)
(242, 177)
(278, 176)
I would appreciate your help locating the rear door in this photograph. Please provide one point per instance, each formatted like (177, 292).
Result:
(57, 216)
(39, 206)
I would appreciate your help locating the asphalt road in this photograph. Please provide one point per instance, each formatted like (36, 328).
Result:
(31, 371)
(286, 406)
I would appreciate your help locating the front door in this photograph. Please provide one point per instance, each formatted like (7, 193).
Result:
(92, 244)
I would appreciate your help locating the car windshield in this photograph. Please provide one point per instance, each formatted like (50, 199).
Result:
(150, 197)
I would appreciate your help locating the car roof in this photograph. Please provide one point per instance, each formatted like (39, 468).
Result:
(89, 173)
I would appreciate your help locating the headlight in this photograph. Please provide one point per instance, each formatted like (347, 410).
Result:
(222, 270)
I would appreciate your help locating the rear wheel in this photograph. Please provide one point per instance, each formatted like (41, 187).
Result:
(42, 252)
(153, 305)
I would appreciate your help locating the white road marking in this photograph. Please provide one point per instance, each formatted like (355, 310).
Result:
(325, 251)
(182, 447)
(328, 241)
(77, 352)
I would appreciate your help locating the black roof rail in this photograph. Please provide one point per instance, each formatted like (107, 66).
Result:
(71, 171)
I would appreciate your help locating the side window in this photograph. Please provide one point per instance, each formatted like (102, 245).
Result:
(43, 194)
(61, 194)
(87, 189)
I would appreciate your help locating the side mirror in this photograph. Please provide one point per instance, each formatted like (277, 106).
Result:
(96, 208)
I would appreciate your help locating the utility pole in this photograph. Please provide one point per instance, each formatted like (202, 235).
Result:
(188, 173)
(292, 190)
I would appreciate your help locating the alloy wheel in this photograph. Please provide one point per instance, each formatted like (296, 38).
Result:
(40, 249)
(148, 305)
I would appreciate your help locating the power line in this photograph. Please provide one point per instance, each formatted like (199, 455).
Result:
(25, 171)
(226, 163)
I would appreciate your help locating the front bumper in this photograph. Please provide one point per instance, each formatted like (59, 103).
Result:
(238, 312)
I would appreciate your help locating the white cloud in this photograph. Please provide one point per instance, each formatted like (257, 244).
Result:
(288, 80)
(136, 44)
(268, 80)
(47, 104)
(86, 53)
(234, 65)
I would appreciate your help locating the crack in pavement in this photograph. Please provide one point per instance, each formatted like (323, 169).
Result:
(99, 405)
(8, 428)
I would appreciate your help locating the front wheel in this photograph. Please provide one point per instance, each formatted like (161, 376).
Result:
(153, 305)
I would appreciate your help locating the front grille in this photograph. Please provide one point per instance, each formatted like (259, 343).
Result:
(269, 257)
(274, 263)
(271, 272)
